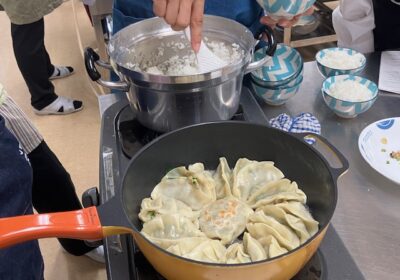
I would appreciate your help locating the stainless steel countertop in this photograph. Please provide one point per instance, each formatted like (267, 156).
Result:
(367, 216)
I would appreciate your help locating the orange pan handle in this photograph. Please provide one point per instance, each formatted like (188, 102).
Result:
(81, 224)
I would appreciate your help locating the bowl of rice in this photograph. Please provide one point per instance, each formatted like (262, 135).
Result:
(349, 95)
(339, 61)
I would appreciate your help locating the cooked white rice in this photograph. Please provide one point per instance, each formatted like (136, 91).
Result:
(350, 91)
(342, 60)
(187, 65)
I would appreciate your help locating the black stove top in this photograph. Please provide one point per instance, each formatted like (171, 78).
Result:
(122, 136)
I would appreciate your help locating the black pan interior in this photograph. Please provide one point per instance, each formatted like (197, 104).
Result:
(233, 140)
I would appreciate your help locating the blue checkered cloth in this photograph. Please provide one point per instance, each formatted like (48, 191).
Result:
(305, 122)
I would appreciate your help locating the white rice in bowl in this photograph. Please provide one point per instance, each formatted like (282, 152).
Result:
(341, 59)
(350, 90)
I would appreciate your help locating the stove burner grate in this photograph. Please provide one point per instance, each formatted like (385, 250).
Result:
(134, 135)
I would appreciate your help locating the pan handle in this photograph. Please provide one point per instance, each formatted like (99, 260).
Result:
(81, 224)
(337, 172)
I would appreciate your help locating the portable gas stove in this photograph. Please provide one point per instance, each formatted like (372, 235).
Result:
(122, 136)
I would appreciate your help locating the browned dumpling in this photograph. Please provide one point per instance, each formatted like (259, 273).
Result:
(224, 219)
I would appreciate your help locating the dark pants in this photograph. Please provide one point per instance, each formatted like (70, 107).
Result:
(22, 261)
(53, 191)
(34, 62)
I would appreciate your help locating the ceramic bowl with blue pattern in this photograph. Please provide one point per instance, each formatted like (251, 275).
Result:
(345, 108)
(328, 71)
(284, 67)
(277, 9)
(276, 96)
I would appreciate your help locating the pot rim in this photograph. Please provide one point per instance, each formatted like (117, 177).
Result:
(143, 76)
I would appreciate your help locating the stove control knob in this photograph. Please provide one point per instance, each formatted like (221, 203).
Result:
(91, 197)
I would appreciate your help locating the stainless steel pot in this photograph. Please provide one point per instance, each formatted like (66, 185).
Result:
(165, 103)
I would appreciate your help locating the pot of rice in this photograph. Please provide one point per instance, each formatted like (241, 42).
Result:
(158, 69)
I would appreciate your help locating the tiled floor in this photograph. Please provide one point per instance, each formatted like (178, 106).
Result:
(73, 138)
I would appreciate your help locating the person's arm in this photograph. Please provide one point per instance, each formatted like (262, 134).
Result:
(354, 23)
(181, 14)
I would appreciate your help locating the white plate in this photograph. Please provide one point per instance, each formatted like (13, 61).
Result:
(376, 142)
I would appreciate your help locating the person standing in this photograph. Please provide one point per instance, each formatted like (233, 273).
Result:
(27, 31)
(368, 25)
(52, 189)
(182, 13)
(23, 261)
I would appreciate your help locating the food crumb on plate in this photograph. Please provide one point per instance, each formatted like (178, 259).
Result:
(384, 140)
(395, 155)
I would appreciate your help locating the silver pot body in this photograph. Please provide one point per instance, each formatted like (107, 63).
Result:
(164, 103)
(168, 107)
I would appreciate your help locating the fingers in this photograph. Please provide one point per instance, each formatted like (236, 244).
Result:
(309, 12)
(172, 12)
(183, 18)
(196, 24)
(268, 21)
(159, 7)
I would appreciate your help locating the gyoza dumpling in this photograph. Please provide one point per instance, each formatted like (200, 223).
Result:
(253, 248)
(275, 192)
(299, 210)
(224, 219)
(261, 225)
(194, 186)
(249, 174)
(150, 208)
(235, 254)
(207, 250)
(185, 245)
(289, 220)
(166, 229)
(271, 246)
(223, 179)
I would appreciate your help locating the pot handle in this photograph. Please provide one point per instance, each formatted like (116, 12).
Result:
(337, 172)
(270, 51)
(80, 224)
(91, 57)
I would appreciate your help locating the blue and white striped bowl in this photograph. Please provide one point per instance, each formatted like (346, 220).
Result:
(285, 8)
(329, 72)
(276, 96)
(348, 109)
(283, 68)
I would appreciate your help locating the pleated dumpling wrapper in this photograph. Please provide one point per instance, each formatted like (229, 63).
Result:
(151, 208)
(294, 222)
(236, 254)
(249, 175)
(200, 249)
(261, 225)
(166, 229)
(276, 191)
(193, 186)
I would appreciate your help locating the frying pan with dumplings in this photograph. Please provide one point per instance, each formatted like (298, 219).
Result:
(199, 143)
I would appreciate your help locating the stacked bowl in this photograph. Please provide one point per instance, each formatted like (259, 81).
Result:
(280, 78)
